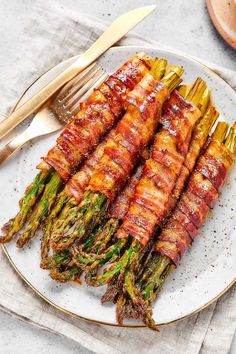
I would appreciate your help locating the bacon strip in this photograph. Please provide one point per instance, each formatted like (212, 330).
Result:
(195, 203)
(197, 143)
(96, 117)
(149, 206)
(133, 134)
(79, 181)
(120, 206)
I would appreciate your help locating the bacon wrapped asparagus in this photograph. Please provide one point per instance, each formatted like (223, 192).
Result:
(133, 133)
(149, 205)
(74, 189)
(119, 209)
(198, 141)
(101, 237)
(63, 264)
(96, 117)
(144, 91)
(189, 216)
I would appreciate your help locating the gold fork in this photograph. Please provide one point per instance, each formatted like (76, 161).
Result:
(60, 111)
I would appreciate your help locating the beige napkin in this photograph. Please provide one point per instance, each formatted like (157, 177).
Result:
(52, 35)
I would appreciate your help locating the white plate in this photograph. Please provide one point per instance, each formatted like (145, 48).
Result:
(206, 271)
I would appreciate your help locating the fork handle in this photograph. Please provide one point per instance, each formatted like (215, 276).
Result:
(35, 102)
(7, 150)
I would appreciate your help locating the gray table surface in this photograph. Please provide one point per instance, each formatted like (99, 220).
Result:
(181, 24)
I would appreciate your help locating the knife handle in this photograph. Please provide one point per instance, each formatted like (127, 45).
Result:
(7, 150)
(112, 34)
(35, 102)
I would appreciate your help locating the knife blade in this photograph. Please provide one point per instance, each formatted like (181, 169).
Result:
(112, 34)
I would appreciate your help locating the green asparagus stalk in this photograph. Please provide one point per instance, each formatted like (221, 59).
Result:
(32, 193)
(92, 243)
(119, 267)
(117, 286)
(95, 260)
(61, 265)
(45, 244)
(135, 299)
(44, 205)
(158, 69)
(73, 273)
(63, 258)
(183, 90)
(88, 219)
(102, 238)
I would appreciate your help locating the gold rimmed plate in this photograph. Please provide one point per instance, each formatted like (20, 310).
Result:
(208, 268)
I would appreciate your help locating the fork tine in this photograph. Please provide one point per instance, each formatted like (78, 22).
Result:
(72, 82)
(81, 91)
(80, 84)
(93, 84)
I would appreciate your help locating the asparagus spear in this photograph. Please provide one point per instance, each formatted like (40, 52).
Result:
(26, 204)
(45, 203)
(92, 243)
(88, 218)
(73, 273)
(64, 258)
(85, 221)
(45, 244)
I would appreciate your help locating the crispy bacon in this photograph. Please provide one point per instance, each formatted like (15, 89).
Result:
(184, 220)
(79, 181)
(202, 187)
(214, 164)
(120, 206)
(96, 117)
(181, 127)
(194, 208)
(194, 205)
(133, 133)
(189, 162)
(149, 206)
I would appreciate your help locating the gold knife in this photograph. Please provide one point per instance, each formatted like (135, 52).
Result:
(113, 34)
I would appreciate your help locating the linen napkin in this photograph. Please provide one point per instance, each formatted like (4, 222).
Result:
(51, 35)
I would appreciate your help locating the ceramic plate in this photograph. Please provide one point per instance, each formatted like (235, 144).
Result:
(206, 270)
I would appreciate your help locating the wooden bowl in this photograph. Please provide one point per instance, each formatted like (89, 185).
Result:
(223, 16)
